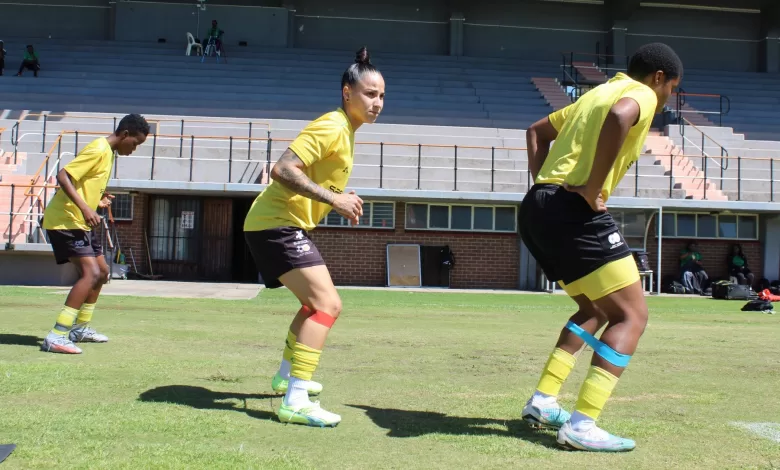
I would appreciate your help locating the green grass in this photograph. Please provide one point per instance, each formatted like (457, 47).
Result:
(422, 380)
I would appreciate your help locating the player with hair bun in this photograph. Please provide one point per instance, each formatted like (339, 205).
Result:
(565, 225)
(308, 182)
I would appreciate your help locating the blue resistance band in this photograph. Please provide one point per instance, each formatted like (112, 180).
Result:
(603, 350)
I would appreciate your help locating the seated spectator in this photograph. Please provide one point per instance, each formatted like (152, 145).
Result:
(2, 57)
(30, 62)
(215, 34)
(738, 266)
(693, 276)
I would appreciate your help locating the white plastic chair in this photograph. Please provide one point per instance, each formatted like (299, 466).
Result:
(191, 43)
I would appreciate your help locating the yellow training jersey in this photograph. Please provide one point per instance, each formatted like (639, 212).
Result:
(326, 146)
(90, 171)
(579, 125)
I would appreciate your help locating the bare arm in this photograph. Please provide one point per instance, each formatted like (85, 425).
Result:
(288, 171)
(65, 182)
(538, 139)
(623, 115)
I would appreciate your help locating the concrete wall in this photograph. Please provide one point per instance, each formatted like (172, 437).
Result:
(528, 29)
(703, 39)
(258, 26)
(34, 268)
(60, 19)
(404, 27)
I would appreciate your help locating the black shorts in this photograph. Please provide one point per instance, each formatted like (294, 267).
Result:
(69, 244)
(278, 251)
(565, 236)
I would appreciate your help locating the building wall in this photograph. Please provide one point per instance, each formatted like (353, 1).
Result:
(359, 257)
(131, 234)
(713, 252)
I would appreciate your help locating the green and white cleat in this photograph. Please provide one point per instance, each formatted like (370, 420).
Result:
(594, 439)
(310, 415)
(279, 385)
(550, 416)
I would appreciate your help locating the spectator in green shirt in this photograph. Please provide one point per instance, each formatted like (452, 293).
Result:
(694, 278)
(213, 33)
(738, 266)
(30, 61)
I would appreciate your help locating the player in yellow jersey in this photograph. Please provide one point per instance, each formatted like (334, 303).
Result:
(564, 223)
(70, 221)
(308, 182)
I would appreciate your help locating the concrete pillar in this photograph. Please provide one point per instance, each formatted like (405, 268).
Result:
(769, 40)
(769, 234)
(618, 13)
(290, 23)
(456, 34)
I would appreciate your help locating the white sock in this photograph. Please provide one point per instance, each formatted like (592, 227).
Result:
(284, 369)
(581, 422)
(297, 393)
(542, 399)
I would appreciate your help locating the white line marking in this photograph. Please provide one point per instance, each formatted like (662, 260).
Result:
(769, 431)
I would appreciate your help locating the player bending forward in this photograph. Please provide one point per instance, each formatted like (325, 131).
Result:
(308, 181)
(565, 225)
(70, 221)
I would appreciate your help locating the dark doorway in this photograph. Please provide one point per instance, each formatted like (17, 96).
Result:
(244, 269)
(434, 271)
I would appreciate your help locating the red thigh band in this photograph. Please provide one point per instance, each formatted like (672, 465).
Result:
(323, 318)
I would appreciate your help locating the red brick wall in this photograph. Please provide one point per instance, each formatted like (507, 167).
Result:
(713, 253)
(131, 234)
(359, 257)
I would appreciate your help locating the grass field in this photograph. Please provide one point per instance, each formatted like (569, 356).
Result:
(422, 380)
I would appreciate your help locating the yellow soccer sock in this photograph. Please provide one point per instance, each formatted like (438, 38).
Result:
(304, 361)
(555, 372)
(85, 314)
(595, 392)
(65, 321)
(288, 346)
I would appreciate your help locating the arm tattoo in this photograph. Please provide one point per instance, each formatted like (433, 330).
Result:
(290, 175)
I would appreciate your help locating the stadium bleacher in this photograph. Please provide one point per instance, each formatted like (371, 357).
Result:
(274, 83)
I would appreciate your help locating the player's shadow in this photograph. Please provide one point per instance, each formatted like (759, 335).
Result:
(407, 423)
(204, 399)
(20, 340)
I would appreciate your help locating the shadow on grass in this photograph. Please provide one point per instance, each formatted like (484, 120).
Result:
(408, 423)
(20, 340)
(204, 399)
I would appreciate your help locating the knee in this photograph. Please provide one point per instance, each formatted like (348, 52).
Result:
(94, 276)
(104, 274)
(329, 304)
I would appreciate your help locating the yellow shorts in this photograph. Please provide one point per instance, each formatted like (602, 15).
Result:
(607, 279)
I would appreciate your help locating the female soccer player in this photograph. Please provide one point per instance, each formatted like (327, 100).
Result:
(308, 182)
(70, 221)
(565, 225)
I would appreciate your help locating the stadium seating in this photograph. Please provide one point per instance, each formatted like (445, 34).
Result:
(279, 83)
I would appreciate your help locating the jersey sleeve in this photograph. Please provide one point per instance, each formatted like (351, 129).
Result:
(89, 157)
(315, 141)
(646, 99)
(558, 118)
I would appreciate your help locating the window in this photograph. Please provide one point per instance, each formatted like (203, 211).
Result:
(686, 225)
(439, 217)
(461, 218)
(706, 226)
(375, 215)
(483, 218)
(632, 224)
(174, 229)
(727, 226)
(122, 206)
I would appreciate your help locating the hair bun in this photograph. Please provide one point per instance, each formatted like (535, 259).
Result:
(363, 57)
